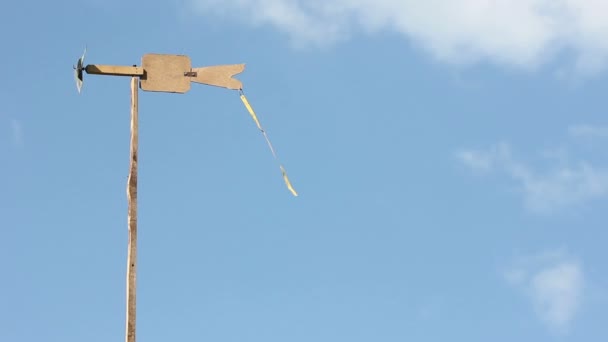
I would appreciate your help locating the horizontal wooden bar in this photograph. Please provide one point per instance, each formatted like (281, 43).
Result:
(114, 70)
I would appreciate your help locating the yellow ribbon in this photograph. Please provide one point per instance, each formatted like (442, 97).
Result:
(257, 122)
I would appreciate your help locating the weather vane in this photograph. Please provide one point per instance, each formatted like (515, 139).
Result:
(171, 74)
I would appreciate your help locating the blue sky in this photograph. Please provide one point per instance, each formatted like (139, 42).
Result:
(450, 158)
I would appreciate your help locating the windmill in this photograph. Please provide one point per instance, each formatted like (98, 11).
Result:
(171, 74)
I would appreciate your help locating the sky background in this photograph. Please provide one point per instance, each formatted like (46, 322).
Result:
(450, 158)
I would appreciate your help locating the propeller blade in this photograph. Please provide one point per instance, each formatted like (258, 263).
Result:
(78, 71)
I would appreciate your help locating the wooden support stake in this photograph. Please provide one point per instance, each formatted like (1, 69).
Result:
(132, 217)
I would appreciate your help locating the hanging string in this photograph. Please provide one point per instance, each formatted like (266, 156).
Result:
(257, 122)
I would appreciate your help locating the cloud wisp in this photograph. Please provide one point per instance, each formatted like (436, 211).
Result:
(554, 282)
(17, 132)
(544, 191)
(591, 132)
(524, 33)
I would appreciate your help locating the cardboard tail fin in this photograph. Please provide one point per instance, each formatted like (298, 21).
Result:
(219, 76)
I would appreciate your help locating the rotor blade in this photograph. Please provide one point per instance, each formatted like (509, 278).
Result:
(78, 78)
(82, 58)
(78, 71)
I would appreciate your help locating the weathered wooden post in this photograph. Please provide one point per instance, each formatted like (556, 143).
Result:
(132, 217)
(161, 73)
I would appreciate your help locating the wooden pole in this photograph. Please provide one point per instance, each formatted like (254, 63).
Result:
(132, 217)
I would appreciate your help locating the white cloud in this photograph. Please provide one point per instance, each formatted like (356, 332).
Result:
(523, 33)
(588, 131)
(17, 132)
(483, 160)
(475, 160)
(554, 283)
(563, 186)
(556, 291)
(543, 191)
